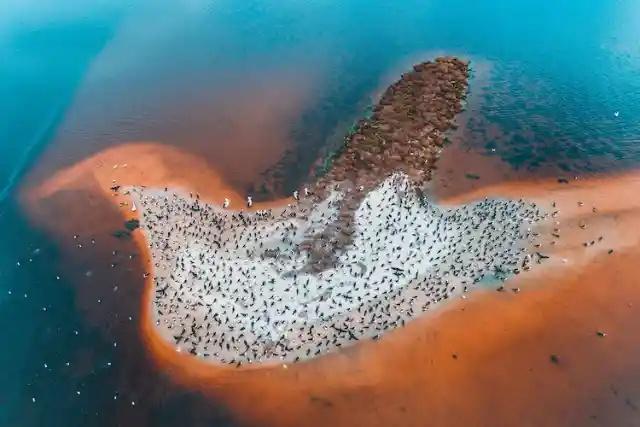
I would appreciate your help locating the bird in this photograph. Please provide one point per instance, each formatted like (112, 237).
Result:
(249, 201)
(226, 202)
(617, 113)
(295, 195)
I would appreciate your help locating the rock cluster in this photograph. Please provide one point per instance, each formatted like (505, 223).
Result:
(406, 130)
(405, 133)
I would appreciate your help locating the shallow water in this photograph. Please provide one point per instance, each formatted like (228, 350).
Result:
(244, 86)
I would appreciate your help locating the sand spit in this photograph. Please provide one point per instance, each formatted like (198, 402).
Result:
(537, 350)
(359, 253)
(436, 370)
(236, 287)
(502, 341)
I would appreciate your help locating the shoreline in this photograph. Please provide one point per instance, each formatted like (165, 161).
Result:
(502, 340)
(316, 295)
(330, 304)
(558, 311)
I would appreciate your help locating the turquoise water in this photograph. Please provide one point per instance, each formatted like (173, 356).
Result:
(89, 77)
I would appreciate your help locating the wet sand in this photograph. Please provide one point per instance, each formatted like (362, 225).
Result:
(77, 201)
(532, 357)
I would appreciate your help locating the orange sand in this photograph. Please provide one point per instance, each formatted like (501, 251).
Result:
(78, 201)
(501, 374)
(142, 164)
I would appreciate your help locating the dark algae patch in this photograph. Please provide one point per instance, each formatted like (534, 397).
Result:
(121, 234)
(129, 226)
(132, 224)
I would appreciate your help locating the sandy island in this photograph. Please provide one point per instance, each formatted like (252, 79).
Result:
(556, 347)
(238, 288)
(356, 255)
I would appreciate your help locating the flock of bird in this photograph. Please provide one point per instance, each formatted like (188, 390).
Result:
(240, 287)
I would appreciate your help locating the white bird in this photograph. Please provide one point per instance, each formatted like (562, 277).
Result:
(295, 195)
(306, 191)
(133, 207)
(226, 203)
(249, 201)
(617, 113)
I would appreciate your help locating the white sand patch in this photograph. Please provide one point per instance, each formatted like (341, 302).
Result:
(235, 287)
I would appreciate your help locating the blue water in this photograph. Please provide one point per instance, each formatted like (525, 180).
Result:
(86, 77)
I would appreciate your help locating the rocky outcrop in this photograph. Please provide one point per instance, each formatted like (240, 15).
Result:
(404, 133)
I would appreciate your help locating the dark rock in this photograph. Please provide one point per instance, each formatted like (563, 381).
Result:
(132, 224)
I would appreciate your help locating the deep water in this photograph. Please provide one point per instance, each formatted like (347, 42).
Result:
(100, 75)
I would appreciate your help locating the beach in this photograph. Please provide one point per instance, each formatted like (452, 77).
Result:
(501, 340)
(359, 253)
(563, 322)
